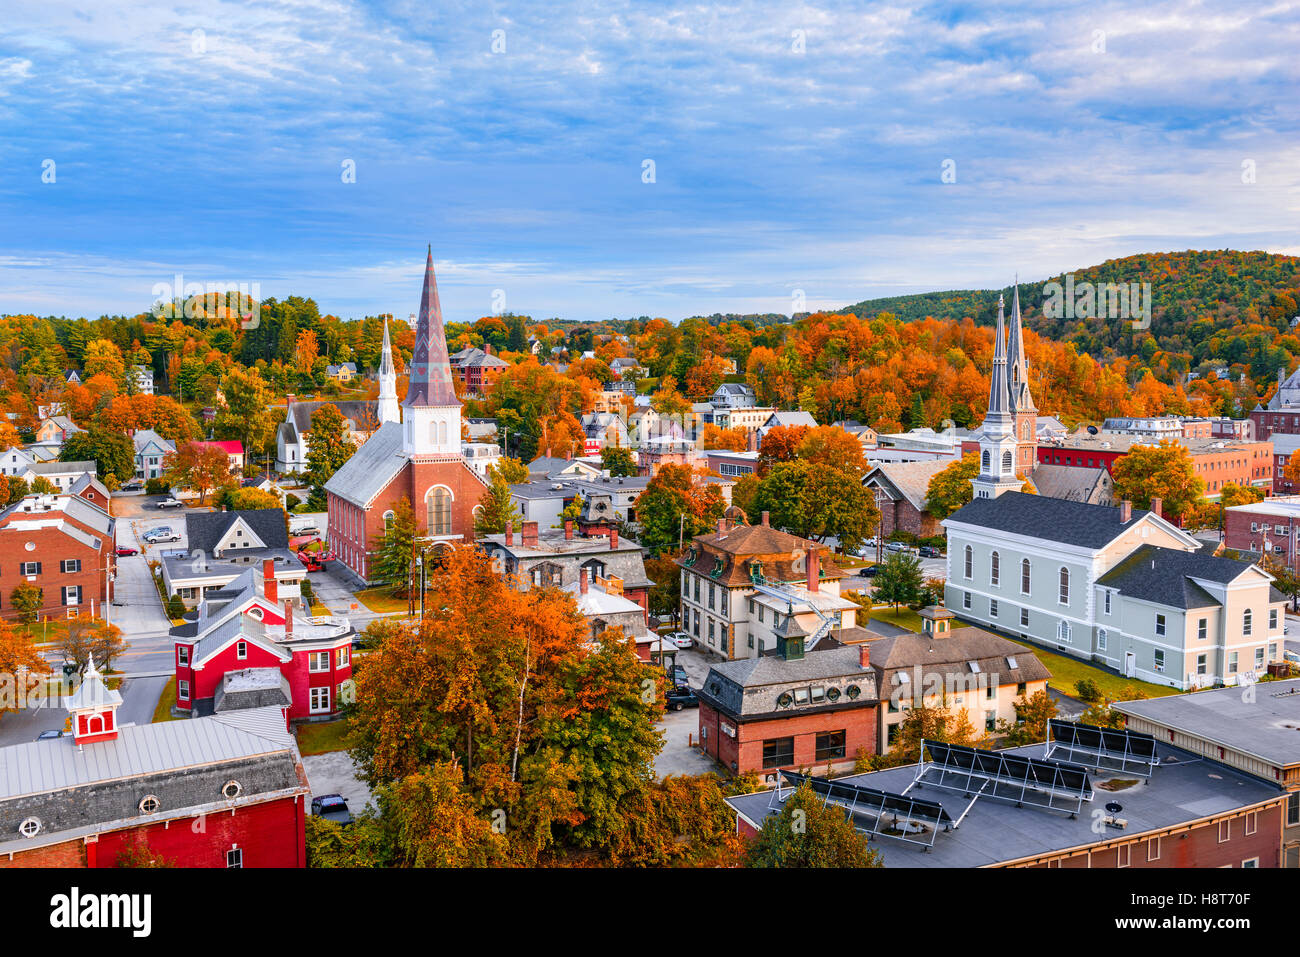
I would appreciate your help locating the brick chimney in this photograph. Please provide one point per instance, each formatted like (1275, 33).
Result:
(613, 537)
(270, 588)
(568, 529)
(1125, 511)
(722, 527)
(582, 582)
(288, 618)
(530, 534)
(814, 569)
(510, 533)
(864, 656)
(1157, 506)
(766, 516)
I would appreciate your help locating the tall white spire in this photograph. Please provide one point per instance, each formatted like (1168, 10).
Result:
(998, 435)
(388, 410)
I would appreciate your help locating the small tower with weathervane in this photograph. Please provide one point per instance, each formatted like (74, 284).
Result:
(94, 708)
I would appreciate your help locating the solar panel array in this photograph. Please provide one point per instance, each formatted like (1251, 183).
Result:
(1131, 751)
(1052, 785)
(876, 812)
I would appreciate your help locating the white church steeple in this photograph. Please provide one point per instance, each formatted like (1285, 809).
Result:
(998, 436)
(388, 410)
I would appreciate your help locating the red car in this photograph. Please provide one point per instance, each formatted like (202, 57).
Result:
(127, 550)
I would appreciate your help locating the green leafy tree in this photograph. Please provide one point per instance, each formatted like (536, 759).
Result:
(666, 593)
(86, 639)
(245, 411)
(112, 452)
(950, 488)
(617, 461)
(497, 508)
(899, 580)
(43, 486)
(677, 504)
(810, 833)
(512, 470)
(395, 549)
(1032, 715)
(816, 501)
(329, 445)
(27, 600)
(176, 606)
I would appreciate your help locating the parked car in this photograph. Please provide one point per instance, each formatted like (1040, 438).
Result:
(871, 571)
(682, 696)
(122, 550)
(133, 485)
(929, 551)
(681, 640)
(307, 530)
(170, 502)
(332, 807)
(48, 735)
(164, 534)
(896, 546)
(678, 675)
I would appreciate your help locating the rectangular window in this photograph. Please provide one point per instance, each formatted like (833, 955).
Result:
(235, 857)
(1272, 619)
(1153, 849)
(1024, 617)
(183, 690)
(1160, 624)
(1259, 659)
(1293, 809)
(710, 631)
(1202, 629)
(990, 720)
(344, 656)
(697, 589)
(1106, 600)
(1247, 621)
(318, 661)
(241, 650)
(1225, 831)
(1250, 863)
(1020, 690)
(183, 656)
(778, 752)
(1160, 661)
(965, 599)
(72, 594)
(1252, 822)
(71, 565)
(830, 746)
(711, 594)
(1232, 663)
(1202, 666)
(1122, 856)
(993, 608)
(29, 568)
(320, 700)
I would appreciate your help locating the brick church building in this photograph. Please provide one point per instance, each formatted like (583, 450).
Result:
(414, 455)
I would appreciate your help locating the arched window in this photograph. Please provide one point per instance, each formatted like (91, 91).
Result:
(995, 568)
(1063, 631)
(970, 561)
(1024, 575)
(388, 521)
(984, 461)
(1006, 461)
(1064, 596)
(442, 433)
(1246, 622)
(438, 504)
(1101, 639)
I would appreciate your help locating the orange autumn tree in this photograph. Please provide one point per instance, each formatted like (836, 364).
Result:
(20, 664)
(198, 467)
(781, 444)
(550, 727)
(733, 440)
(833, 447)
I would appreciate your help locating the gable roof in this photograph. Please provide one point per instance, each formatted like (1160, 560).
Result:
(371, 468)
(1051, 519)
(1166, 576)
(951, 654)
(143, 438)
(205, 529)
(909, 479)
(359, 413)
(1072, 482)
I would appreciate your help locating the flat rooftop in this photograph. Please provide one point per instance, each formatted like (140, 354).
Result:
(1286, 506)
(1183, 788)
(1267, 727)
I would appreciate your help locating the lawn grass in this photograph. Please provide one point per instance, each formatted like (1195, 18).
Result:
(1066, 671)
(903, 618)
(323, 737)
(162, 711)
(381, 600)
(318, 609)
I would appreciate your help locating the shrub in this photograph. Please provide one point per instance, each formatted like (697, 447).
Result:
(1087, 690)
(176, 606)
(156, 486)
(27, 599)
(292, 501)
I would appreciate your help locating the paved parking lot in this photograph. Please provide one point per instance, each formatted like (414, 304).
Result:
(335, 773)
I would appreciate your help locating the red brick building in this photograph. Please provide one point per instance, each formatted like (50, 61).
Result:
(900, 490)
(789, 708)
(245, 649)
(417, 459)
(63, 545)
(223, 791)
(477, 369)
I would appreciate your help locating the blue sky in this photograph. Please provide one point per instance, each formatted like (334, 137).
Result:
(796, 146)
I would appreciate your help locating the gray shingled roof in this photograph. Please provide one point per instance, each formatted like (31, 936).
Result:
(204, 529)
(910, 479)
(1053, 519)
(371, 468)
(360, 413)
(1165, 576)
(950, 655)
(749, 687)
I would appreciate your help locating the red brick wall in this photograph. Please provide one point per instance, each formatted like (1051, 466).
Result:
(902, 516)
(746, 748)
(52, 547)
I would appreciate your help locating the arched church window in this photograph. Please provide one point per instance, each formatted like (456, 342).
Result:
(1006, 461)
(984, 460)
(438, 503)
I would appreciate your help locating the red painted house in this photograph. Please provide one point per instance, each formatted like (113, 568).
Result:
(244, 649)
(223, 791)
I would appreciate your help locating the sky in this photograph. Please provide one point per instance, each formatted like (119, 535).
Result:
(595, 160)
